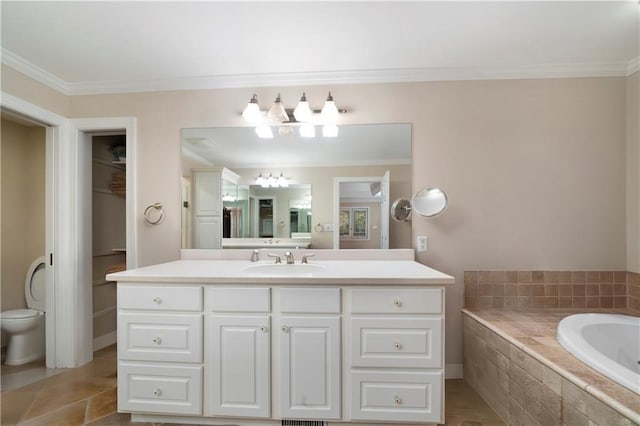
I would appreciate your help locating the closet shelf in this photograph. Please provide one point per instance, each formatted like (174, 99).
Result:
(115, 164)
(107, 191)
(119, 250)
(109, 253)
(104, 311)
(103, 282)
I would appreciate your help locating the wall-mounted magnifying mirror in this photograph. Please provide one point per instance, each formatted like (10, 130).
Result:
(427, 202)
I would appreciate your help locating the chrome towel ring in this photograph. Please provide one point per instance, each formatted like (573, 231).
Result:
(154, 214)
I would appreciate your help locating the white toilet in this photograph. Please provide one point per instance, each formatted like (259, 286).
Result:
(25, 327)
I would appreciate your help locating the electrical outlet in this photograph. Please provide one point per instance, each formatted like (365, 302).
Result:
(421, 243)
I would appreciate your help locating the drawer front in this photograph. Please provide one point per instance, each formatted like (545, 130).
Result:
(160, 389)
(397, 301)
(398, 396)
(310, 300)
(396, 342)
(160, 298)
(237, 299)
(156, 337)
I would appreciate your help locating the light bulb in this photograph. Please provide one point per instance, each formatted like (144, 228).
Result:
(329, 113)
(277, 113)
(260, 180)
(252, 112)
(302, 112)
(264, 132)
(330, 131)
(282, 181)
(307, 131)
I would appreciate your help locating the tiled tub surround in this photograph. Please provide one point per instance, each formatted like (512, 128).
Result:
(524, 290)
(514, 362)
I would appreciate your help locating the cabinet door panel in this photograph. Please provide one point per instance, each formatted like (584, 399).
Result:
(207, 199)
(240, 366)
(207, 232)
(310, 371)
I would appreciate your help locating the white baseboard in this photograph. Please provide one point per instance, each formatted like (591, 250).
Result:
(105, 340)
(453, 371)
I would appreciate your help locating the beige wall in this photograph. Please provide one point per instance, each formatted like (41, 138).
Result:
(17, 84)
(633, 172)
(23, 207)
(534, 169)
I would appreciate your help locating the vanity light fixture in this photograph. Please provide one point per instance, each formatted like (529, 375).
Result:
(277, 113)
(329, 113)
(308, 131)
(303, 112)
(272, 182)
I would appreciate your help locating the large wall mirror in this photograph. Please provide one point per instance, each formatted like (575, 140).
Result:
(239, 190)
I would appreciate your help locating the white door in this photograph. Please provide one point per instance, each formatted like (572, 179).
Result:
(385, 211)
(207, 198)
(207, 232)
(239, 381)
(310, 371)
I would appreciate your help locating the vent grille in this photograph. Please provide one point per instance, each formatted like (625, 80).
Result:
(303, 423)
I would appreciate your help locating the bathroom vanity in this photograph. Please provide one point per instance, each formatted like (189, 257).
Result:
(250, 343)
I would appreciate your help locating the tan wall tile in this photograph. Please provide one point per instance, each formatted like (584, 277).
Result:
(470, 277)
(565, 302)
(606, 302)
(551, 290)
(574, 395)
(593, 302)
(620, 277)
(602, 414)
(537, 277)
(511, 277)
(619, 289)
(573, 417)
(579, 290)
(537, 290)
(578, 277)
(592, 277)
(565, 290)
(579, 302)
(620, 302)
(525, 277)
(606, 277)
(592, 290)
(497, 277)
(498, 290)
(552, 380)
(484, 277)
(471, 290)
(606, 289)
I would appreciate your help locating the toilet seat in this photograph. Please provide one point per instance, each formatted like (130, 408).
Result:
(34, 285)
(20, 314)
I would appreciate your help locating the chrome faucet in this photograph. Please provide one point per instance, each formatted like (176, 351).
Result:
(305, 257)
(278, 260)
(290, 259)
(254, 256)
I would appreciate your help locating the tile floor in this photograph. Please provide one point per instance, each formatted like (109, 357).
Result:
(87, 396)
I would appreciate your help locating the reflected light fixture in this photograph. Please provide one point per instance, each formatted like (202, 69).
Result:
(252, 112)
(330, 131)
(264, 131)
(307, 131)
(303, 112)
(271, 181)
(277, 113)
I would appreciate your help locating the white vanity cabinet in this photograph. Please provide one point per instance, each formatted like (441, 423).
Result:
(160, 352)
(254, 351)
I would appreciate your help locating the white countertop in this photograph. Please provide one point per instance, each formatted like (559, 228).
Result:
(344, 272)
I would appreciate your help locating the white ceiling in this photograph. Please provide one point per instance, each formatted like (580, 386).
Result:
(96, 47)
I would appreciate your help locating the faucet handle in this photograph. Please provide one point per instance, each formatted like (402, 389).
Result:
(278, 260)
(306, 256)
(255, 255)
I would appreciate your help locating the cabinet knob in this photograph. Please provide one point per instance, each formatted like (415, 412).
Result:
(157, 391)
(397, 400)
(263, 328)
(157, 340)
(285, 328)
(397, 302)
(397, 345)
(157, 300)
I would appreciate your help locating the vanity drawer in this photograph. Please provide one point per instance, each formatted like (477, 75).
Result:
(398, 396)
(397, 301)
(160, 337)
(396, 342)
(160, 298)
(160, 388)
(310, 300)
(239, 299)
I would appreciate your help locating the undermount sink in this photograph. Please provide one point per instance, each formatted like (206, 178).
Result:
(282, 269)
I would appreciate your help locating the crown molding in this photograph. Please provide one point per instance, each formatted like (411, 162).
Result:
(611, 69)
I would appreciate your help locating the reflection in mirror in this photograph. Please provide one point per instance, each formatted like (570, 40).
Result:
(429, 202)
(224, 207)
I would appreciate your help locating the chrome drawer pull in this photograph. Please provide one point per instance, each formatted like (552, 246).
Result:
(157, 300)
(157, 391)
(397, 400)
(397, 302)
(157, 340)
(397, 345)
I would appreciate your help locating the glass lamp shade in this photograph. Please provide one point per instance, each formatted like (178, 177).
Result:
(282, 181)
(252, 112)
(277, 113)
(329, 113)
(302, 112)
(260, 180)
(264, 132)
(307, 131)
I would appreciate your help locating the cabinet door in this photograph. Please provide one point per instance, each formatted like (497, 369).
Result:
(207, 232)
(239, 383)
(310, 371)
(207, 200)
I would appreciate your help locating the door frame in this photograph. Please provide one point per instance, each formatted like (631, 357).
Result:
(69, 343)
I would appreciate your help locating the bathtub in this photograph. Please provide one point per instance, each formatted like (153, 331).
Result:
(607, 343)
